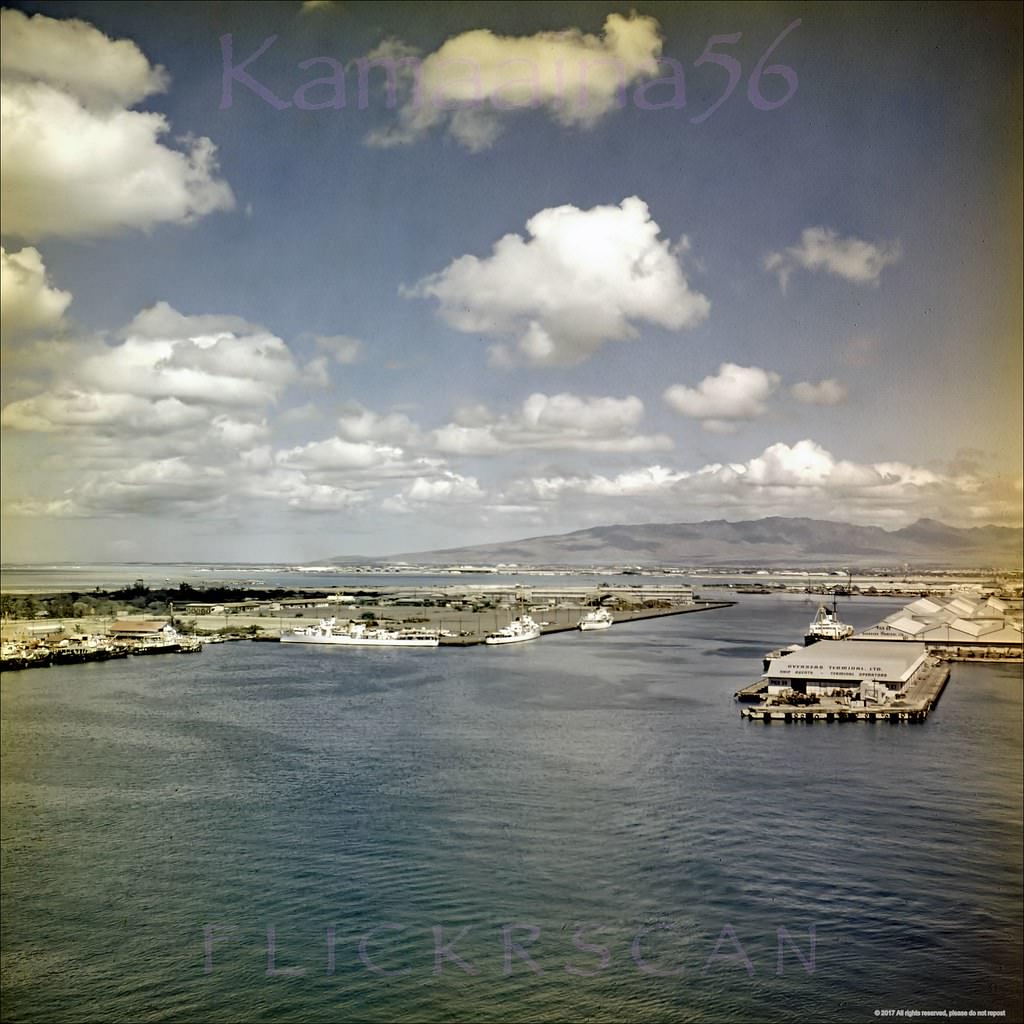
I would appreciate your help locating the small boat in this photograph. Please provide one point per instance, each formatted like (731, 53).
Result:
(518, 630)
(599, 619)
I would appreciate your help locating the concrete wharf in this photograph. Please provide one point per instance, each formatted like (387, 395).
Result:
(913, 705)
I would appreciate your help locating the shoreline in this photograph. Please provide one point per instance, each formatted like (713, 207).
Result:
(193, 642)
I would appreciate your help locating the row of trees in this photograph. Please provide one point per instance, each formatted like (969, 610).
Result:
(77, 606)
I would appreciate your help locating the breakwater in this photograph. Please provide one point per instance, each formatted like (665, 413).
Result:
(621, 618)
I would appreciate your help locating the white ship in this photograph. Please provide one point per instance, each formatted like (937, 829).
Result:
(599, 619)
(358, 634)
(518, 630)
(827, 626)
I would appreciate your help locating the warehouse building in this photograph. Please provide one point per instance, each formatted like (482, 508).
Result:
(957, 623)
(877, 670)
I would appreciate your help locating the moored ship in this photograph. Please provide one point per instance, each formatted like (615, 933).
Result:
(827, 625)
(601, 618)
(518, 630)
(359, 634)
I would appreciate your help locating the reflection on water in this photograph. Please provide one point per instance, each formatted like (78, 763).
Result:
(599, 792)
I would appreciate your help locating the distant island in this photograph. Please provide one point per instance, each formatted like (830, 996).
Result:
(771, 542)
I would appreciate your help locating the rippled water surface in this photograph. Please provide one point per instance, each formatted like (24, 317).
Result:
(598, 792)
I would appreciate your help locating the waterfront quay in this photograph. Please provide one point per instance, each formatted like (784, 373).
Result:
(469, 628)
(461, 615)
(567, 620)
(77, 650)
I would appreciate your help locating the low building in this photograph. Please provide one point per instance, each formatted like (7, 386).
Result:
(876, 670)
(141, 629)
(203, 608)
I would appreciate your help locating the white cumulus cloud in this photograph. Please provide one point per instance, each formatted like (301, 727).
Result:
(208, 360)
(159, 486)
(357, 464)
(734, 394)
(805, 464)
(170, 376)
(478, 77)
(29, 304)
(824, 392)
(76, 57)
(77, 160)
(337, 454)
(579, 279)
(266, 481)
(357, 423)
(647, 480)
(821, 248)
(449, 487)
(562, 421)
(65, 409)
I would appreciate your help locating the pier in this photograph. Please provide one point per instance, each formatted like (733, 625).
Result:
(571, 624)
(913, 705)
(753, 692)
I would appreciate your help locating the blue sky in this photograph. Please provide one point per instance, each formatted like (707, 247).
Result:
(233, 332)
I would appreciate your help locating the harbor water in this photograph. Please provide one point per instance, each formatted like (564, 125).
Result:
(580, 828)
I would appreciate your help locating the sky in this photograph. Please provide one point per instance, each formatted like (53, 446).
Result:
(283, 281)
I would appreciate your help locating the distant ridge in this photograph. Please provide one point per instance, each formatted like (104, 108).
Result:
(774, 541)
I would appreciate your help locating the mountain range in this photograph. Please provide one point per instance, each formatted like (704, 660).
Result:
(774, 541)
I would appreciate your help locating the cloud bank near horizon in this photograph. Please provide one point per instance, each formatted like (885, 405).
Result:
(613, 323)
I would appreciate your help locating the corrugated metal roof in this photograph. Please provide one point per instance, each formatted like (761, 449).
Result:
(852, 659)
(960, 620)
(912, 627)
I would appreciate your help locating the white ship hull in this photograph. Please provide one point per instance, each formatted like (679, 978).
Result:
(349, 641)
(595, 620)
(835, 634)
(827, 626)
(516, 632)
(358, 635)
(518, 639)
